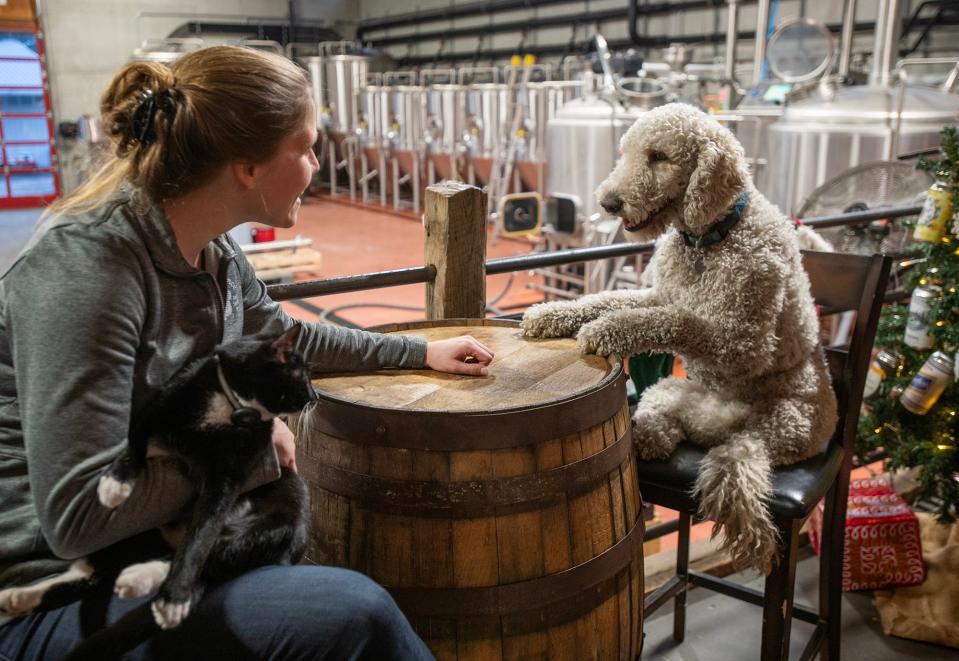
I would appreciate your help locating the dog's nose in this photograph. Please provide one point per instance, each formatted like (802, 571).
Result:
(612, 203)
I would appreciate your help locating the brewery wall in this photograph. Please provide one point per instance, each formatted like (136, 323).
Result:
(88, 41)
(680, 25)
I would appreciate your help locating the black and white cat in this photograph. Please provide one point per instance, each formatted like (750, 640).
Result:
(216, 417)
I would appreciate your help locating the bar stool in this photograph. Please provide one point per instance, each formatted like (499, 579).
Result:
(840, 282)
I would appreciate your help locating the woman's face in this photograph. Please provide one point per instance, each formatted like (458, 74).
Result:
(287, 175)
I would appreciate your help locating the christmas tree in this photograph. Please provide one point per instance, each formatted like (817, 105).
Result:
(911, 335)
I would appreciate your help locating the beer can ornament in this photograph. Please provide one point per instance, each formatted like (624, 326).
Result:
(928, 383)
(936, 213)
(917, 324)
(886, 364)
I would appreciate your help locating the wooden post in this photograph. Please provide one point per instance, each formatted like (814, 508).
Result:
(455, 223)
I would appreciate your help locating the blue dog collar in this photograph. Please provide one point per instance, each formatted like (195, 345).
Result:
(720, 230)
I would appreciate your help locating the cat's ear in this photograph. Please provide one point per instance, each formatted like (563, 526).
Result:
(284, 344)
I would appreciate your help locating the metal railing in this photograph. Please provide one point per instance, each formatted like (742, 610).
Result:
(424, 274)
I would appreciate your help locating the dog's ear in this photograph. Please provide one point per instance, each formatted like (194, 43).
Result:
(713, 186)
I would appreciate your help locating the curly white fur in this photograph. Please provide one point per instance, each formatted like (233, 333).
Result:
(738, 312)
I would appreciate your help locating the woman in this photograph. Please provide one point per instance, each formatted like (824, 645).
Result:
(127, 281)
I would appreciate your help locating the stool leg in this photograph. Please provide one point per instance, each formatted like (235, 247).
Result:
(831, 555)
(778, 606)
(682, 571)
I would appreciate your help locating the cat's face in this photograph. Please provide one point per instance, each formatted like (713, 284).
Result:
(271, 371)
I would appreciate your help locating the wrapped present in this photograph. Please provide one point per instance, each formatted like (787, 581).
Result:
(882, 545)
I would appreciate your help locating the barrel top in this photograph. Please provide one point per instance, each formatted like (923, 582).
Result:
(524, 372)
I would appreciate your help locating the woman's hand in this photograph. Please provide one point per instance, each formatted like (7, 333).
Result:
(459, 355)
(285, 445)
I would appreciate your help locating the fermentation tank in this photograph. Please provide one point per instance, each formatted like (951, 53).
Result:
(344, 76)
(583, 143)
(818, 138)
(316, 66)
(487, 108)
(372, 137)
(543, 102)
(406, 140)
(446, 132)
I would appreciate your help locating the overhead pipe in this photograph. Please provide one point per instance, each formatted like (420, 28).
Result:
(462, 10)
(886, 46)
(848, 33)
(732, 33)
(585, 18)
(762, 28)
(459, 11)
(616, 44)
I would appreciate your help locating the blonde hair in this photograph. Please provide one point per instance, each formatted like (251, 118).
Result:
(173, 127)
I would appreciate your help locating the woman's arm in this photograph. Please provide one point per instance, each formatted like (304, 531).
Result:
(75, 309)
(332, 348)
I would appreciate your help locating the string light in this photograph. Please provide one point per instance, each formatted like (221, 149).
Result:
(878, 430)
(940, 324)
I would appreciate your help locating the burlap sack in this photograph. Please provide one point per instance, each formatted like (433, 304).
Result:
(928, 612)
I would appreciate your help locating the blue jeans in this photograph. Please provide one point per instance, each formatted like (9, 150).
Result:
(301, 612)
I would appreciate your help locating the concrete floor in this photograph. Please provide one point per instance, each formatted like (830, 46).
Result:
(722, 629)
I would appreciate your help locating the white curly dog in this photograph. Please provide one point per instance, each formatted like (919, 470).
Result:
(732, 299)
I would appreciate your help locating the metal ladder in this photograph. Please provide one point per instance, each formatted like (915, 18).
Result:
(501, 173)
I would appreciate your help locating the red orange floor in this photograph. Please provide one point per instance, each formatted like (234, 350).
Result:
(353, 239)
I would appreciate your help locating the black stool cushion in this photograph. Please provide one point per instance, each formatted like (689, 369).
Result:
(797, 487)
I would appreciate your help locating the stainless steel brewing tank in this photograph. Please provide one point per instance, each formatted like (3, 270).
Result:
(487, 107)
(316, 66)
(407, 125)
(408, 119)
(375, 116)
(582, 143)
(816, 139)
(543, 101)
(446, 117)
(345, 75)
(446, 131)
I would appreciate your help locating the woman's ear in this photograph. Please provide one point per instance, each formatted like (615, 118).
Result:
(245, 173)
(712, 187)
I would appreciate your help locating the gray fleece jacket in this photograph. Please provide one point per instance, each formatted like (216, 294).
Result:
(97, 313)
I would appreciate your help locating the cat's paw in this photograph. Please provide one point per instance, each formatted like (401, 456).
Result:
(112, 492)
(141, 579)
(20, 601)
(169, 614)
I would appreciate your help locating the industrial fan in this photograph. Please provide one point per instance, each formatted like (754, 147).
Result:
(863, 187)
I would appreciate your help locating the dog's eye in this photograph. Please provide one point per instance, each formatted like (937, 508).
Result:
(656, 156)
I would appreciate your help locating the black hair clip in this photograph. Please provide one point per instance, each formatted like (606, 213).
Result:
(143, 117)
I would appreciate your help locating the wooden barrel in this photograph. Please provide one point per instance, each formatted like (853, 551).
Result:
(502, 513)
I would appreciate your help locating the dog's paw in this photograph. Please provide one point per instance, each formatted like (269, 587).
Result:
(603, 338)
(169, 614)
(141, 579)
(654, 438)
(112, 492)
(20, 601)
(554, 319)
